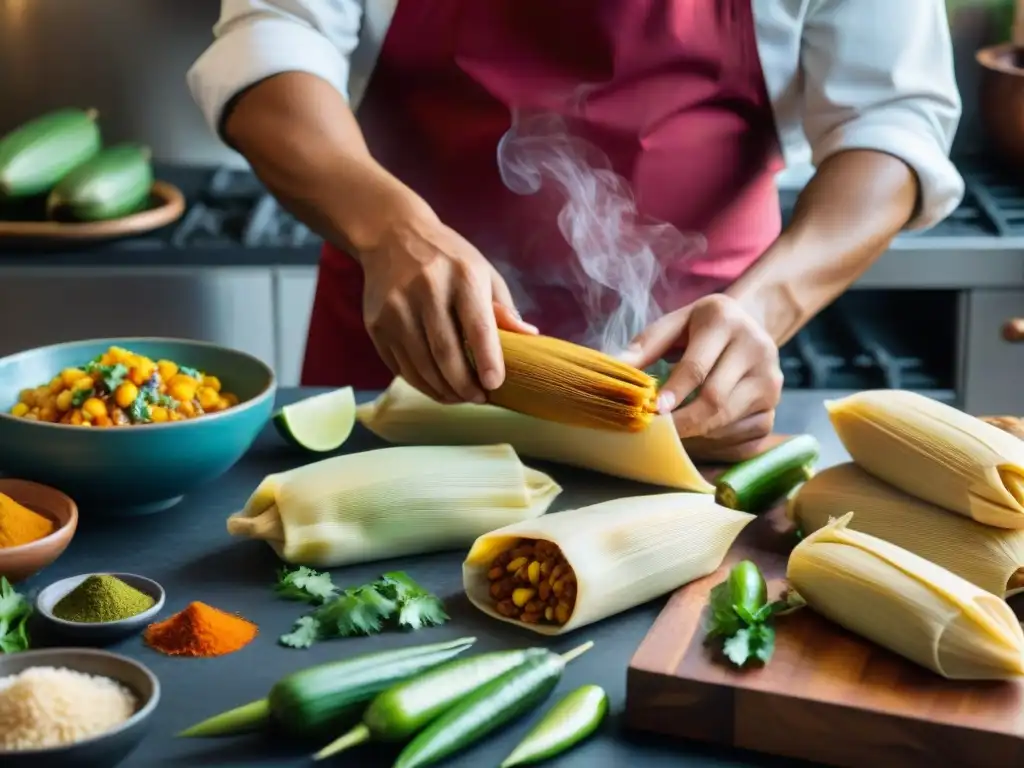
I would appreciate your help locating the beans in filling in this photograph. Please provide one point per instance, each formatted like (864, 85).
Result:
(532, 582)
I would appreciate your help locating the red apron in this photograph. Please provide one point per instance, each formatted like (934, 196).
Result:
(670, 92)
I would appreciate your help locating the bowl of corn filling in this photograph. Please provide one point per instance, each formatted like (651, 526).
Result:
(130, 425)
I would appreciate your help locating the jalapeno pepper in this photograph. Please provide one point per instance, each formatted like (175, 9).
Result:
(566, 724)
(489, 707)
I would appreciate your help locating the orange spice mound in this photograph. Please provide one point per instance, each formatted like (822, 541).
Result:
(201, 631)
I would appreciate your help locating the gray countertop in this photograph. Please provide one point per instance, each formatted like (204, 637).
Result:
(188, 551)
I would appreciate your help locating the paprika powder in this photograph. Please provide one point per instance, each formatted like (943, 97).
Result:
(200, 631)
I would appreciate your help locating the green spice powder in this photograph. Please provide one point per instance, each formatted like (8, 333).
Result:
(102, 598)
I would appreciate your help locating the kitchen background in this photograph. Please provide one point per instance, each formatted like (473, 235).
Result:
(236, 270)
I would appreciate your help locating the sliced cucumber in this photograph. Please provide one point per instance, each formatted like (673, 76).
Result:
(321, 423)
(756, 484)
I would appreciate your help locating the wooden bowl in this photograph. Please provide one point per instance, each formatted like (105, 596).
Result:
(1002, 99)
(167, 204)
(18, 563)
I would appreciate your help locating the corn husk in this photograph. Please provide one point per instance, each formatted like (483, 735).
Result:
(559, 381)
(391, 502)
(991, 558)
(907, 604)
(935, 452)
(402, 414)
(623, 552)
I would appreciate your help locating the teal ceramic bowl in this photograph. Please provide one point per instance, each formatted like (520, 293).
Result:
(138, 469)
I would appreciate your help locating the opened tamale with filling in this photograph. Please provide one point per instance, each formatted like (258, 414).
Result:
(564, 382)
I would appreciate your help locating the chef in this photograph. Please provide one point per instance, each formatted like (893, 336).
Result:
(460, 159)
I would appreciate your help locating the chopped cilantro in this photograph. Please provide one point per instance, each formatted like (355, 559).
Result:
(138, 411)
(305, 632)
(111, 375)
(165, 401)
(192, 373)
(79, 396)
(305, 584)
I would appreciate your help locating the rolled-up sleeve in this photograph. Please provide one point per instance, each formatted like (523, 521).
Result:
(878, 74)
(255, 39)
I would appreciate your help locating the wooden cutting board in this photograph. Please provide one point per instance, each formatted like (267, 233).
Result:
(826, 696)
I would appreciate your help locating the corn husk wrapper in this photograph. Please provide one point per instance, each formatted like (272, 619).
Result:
(391, 502)
(623, 552)
(403, 414)
(907, 604)
(991, 558)
(557, 380)
(935, 452)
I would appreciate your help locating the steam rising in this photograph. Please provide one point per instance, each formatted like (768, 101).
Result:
(621, 255)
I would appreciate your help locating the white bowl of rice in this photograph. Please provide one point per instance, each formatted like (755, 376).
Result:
(73, 707)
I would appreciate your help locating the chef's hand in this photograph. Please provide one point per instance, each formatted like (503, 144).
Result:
(734, 363)
(427, 289)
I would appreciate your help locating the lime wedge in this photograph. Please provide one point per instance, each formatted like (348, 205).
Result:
(320, 423)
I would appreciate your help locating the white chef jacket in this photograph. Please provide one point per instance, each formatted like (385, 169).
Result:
(841, 74)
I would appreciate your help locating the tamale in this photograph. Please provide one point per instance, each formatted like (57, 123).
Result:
(907, 604)
(403, 414)
(935, 452)
(608, 558)
(991, 558)
(567, 383)
(391, 502)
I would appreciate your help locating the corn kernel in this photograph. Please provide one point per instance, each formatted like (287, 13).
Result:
(70, 375)
(93, 407)
(102, 421)
(231, 398)
(208, 398)
(56, 385)
(63, 401)
(167, 369)
(27, 396)
(19, 410)
(126, 394)
(48, 413)
(212, 382)
(562, 613)
(549, 613)
(182, 391)
(222, 404)
(186, 409)
(522, 596)
(158, 413)
(516, 564)
(31, 416)
(533, 573)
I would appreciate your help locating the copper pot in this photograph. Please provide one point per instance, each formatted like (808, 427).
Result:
(1002, 98)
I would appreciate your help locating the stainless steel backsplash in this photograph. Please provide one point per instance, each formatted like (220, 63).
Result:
(128, 58)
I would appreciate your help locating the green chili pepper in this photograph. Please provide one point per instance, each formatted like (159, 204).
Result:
(489, 707)
(566, 724)
(402, 710)
(747, 588)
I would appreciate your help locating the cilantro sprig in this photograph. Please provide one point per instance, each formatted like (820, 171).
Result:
(742, 616)
(112, 376)
(15, 611)
(395, 599)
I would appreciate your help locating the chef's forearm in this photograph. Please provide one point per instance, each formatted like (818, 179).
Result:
(302, 140)
(844, 219)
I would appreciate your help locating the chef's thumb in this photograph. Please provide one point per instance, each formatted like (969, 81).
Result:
(505, 312)
(655, 340)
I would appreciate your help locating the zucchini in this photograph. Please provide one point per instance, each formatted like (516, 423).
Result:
(34, 157)
(756, 484)
(114, 183)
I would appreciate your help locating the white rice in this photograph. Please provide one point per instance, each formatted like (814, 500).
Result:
(49, 707)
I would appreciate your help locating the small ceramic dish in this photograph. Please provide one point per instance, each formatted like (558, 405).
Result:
(100, 631)
(18, 563)
(107, 749)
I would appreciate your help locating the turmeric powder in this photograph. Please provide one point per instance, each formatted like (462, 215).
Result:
(200, 630)
(20, 525)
